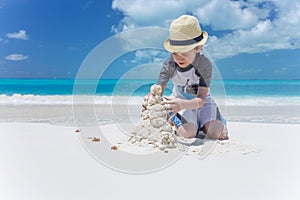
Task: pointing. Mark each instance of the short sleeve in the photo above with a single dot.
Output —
(204, 68)
(166, 71)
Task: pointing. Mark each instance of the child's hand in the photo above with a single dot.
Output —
(172, 104)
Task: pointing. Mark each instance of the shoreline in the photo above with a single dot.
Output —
(68, 99)
(108, 114)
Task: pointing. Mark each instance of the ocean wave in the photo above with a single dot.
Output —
(18, 99)
(263, 101)
(28, 99)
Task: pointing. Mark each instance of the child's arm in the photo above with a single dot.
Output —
(166, 73)
(162, 89)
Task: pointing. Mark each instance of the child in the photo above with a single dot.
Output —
(191, 74)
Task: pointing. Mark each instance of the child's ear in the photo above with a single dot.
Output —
(199, 48)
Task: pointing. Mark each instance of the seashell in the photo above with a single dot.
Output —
(96, 139)
(162, 147)
(114, 148)
(132, 139)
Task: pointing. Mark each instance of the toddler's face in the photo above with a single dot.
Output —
(184, 59)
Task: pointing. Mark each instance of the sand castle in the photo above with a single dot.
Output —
(154, 126)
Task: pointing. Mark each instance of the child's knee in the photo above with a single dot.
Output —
(213, 134)
(215, 129)
(187, 130)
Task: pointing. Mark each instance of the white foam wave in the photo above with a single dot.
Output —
(263, 101)
(18, 99)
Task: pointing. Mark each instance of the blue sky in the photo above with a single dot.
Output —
(50, 39)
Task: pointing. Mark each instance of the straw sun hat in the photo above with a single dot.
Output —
(185, 34)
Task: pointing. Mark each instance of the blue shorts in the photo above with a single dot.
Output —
(208, 112)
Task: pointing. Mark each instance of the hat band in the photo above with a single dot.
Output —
(186, 42)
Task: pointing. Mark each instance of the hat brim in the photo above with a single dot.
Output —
(185, 48)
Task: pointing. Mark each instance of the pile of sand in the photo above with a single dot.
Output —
(154, 127)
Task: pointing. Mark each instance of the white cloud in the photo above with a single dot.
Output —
(142, 38)
(16, 57)
(21, 35)
(280, 33)
(226, 15)
(261, 38)
(248, 27)
(149, 56)
(140, 13)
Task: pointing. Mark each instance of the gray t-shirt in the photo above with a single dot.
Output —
(187, 80)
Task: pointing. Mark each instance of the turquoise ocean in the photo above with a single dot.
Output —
(60, 91)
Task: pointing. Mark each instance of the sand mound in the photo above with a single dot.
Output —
(154, 126)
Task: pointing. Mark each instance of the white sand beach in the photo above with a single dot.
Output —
(43, 161)
(96, 96)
